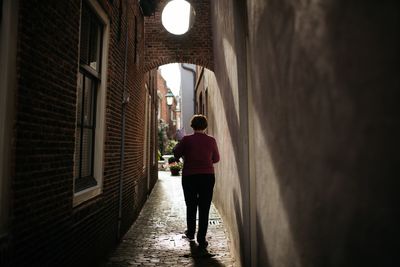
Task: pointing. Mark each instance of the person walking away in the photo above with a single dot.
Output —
(199, 152)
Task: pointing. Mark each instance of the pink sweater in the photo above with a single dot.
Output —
(199, 152)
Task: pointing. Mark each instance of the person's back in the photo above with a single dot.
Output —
(199, 151)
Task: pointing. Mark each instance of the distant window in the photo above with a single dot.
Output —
(159, 101)
(135, 56)
(154, 126)
(89, 136)
(201, 106)
(146, 130)
(206, 105)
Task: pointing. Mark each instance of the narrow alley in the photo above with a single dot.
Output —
(300, 98)
(157, 239)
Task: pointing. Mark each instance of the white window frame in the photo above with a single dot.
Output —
(84, 195)
(8, 83)
(159, 101)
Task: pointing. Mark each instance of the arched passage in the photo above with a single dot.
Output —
(195, 46)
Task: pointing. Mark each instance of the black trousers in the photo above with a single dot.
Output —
(198, 191)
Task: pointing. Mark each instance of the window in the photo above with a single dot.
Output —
(206, 104)
(135, 56)
(201, 106)
(159, 101)
(90, 104)
(145, 134)
(85, 132)
(154, 135)
(8, 52)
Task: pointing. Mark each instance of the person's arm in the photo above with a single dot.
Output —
(215, 155)
(178, 149)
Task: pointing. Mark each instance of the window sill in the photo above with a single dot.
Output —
(84, 183)
(86, 194)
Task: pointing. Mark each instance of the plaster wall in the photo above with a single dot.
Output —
(228, 122)
(187, 93)
(313, 183)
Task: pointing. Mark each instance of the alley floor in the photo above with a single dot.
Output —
(156, 238)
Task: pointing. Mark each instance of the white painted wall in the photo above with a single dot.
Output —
(187, 93)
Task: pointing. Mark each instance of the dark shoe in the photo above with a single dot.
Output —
(188, 236)
(203, 244)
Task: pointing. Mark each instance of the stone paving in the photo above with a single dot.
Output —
(156, 238)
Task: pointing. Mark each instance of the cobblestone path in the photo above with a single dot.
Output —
(156, 238)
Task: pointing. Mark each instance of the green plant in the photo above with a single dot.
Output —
(175, 166)
(171, 160)
(170, 146)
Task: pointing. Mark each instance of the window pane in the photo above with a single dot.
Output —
(85, 33)
(84, 143)
(77, 157)
(87, 153)
(79, 99)
(95, 38)
(91, 38)
(88, 103)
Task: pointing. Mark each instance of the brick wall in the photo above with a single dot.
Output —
(46, 230)
(163, 89)
(194, 47)
(165, 109)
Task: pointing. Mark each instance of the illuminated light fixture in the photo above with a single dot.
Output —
(176, 17)
(170, 98)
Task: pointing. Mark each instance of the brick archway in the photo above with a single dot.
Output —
(195, 46)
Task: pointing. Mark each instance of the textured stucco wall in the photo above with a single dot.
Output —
(227, 113)
(322, 84)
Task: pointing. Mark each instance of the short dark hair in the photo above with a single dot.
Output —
(199, 122)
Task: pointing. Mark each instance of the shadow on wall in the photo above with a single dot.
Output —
(231, 75)
(330, 104)
(261, 247)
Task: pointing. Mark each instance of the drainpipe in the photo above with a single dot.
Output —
(198, 81)
(194, 84)
(125, 100)
(192, 71)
